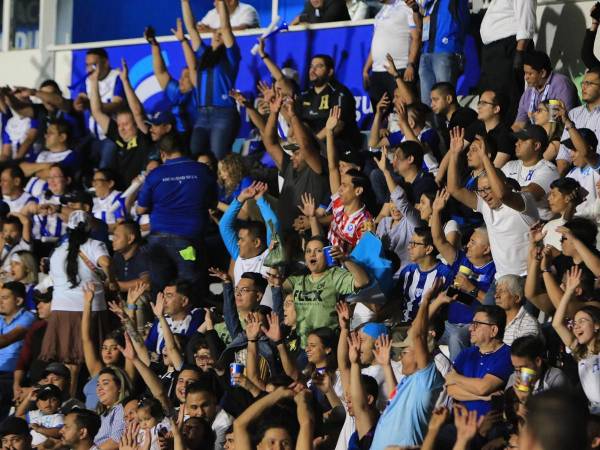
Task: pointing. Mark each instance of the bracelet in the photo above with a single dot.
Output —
(474, 292)
(252, 340)
(132, 307)
(279, 342)
(266, 55)
(397, 76)
(546, 271)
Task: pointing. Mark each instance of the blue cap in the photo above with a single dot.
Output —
(160, 118)
(374, 329)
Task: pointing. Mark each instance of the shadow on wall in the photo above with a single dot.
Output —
(567, 28)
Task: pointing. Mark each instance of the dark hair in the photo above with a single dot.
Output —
(12, 220)
(17, 288)
(170, 144)
(430, 195)
(281, 415)
(16, 172)
(496, 315)
(327, 60)
(370, 386)
(77, 237)
(63, 127)
(329, 340)
(117, 336)
(425, 233)
(259, 282)
(66, 170)
(200, 386)
(446, 89)
(595, 70)
(184, 288)
(583, 229)
(538, 61)
(133, 228)
(153, 405)
(414, 149)
(530, 347)
(501, 100)
(419, 112)
(86, 419)
(323, 240)
(558, 420)
(565, 185)
(359, 179)
(255, 229)
(212, 159)
(53, 84)
(207, 437)
(101, 52)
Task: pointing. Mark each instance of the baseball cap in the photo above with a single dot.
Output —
(588, 136)
(407, 342)
(535, 132)
(57, 369)
(14, 425)
(49, 391)
(374, 329)
(160, 118)
(77, 197)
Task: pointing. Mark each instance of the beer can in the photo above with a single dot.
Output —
(235, 369)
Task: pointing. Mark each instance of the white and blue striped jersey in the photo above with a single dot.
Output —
(413, 283)
(50, 226)
(109, 208)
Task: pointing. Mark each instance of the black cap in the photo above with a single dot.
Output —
(49, 391)
(535, 132)
(77, 197)
(14, 425)
(588, 136)
(57, 369)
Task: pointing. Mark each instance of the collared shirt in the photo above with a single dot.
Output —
(187, 326)
(110, 208)
(10, 354)
(523, 324)
(183, 105)
(505, 18)
(558, 87)
(112, 425)
(243, 15)
(19, 203)
(582, 117)
(215, 83)
(132, 268)
(346, 230)
(179, 194)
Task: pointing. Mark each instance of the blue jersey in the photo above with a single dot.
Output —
(445, 27)
(413, 283)
(183, 106)
(482, 278)
(215, 83)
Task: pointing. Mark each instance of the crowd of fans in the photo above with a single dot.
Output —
(430, 284)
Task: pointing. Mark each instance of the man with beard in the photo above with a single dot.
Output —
(81, 425)
(325, 92)
(217, 68)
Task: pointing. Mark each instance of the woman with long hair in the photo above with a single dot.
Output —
(79, 260)
(24, 268)
(542, 116)
(582, 338)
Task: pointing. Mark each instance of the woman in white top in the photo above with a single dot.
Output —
(425, 208)
(76, 262)
(109, 204)
(583, 339)
(564, 196)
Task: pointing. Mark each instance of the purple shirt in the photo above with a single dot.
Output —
(558, 87)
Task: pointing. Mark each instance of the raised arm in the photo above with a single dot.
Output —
(343, 312)
(170, 345)
(466, 197)
(420, 330)
(382, 353)
(226, 31)
(190, 24)
(306, 418)
(589, 258)
(380, 111)
(132, 99)
(253, 334)
(335, 178)
(270, 137)
(101, 118)
(364, 421)
(257, 120)
(310, 154)
(188, 52)
(273, 68)
(558, 321)
(309, 210)
(158, 63)
(90, 356)
(406, 94)
(500, 188)
(275, 335)
(446, 249)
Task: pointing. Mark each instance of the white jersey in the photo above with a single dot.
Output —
(106, 89)
(109, 208)
(18, 203)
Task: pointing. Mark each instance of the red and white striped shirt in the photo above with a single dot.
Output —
(346, 230)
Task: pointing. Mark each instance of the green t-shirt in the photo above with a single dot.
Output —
(315, 300)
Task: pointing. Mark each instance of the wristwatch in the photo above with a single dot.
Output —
(474, 292)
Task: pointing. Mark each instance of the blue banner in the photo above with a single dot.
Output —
(348, 46)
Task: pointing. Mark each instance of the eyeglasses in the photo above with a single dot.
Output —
(485, 190)
(589, 83)
(414, 244)
(483, 102)
(243, 290)
(578, 323)
(203, 358)
(476, 323)
(563, 239)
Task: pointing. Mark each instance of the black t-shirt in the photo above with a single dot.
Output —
(332, 11)
(127, 270)
(314, 110)
(500, 138)
(423, 183)
(43, 117)
(295, 184)
(132, 156)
